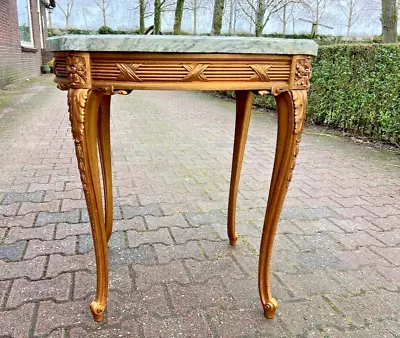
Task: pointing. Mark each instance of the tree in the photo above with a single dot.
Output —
(142, 7)
(389, 21)
(352, 10)
(157, 15)
(66, 8)
(285, 15)
(160, 6)
(315, 9)
(195, 17)
(178, 16)
(219, 6)
(142, 11)
(195, 5)
(259, 12)
(233, 13)
(103, 5)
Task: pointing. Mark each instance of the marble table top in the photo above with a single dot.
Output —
(181, 44)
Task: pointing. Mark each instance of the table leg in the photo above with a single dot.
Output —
(244, 102)
(291, 107)
(84, 108)
(105, 159)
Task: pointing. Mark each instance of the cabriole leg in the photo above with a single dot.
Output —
(84, 109)
(105, 159)
(244, 102)
(291, 107)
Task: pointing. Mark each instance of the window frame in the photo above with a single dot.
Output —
(39, 8)
(27, 44)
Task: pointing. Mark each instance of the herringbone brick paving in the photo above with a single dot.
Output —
(336, 266)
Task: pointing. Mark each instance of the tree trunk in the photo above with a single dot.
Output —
(231, 12)
(217, 17)
(67, 22)
(195, 18)
(178, 16)
(293, 26)
(350, 17)
(142, 27)
(104, 17)
(284, 20)
(157, 17)
(389, 21)
(260, 17)
(314, 30)
(235, 17)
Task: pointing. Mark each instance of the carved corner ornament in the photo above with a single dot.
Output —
(77, 104)
(303, 73)
(76, 70)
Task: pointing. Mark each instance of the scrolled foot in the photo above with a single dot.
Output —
(97, 311)
(270, 308)
(232, 241)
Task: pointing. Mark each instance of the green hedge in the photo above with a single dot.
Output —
(101, 30)
(354, 88)
(357, 88)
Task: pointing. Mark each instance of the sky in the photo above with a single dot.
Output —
(123, 15)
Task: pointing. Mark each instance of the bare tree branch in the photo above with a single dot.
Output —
(67, 10)
(103, 5)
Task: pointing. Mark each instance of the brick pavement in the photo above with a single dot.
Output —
(336, 266)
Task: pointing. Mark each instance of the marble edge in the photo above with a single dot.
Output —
(181, 44)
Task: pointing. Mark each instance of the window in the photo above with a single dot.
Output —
(25, 23)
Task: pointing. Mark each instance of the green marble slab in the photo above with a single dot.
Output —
(181, 44)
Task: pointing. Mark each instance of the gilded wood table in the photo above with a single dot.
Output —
(93, 68)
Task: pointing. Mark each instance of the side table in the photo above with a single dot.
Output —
(94, 67)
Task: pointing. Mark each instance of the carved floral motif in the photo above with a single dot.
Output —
(300, 103)
(303, 72)
(77, 104)
(76, 69)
